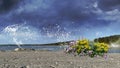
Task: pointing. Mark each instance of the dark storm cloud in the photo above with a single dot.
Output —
(44, 13)
(6, 5)
(58, 19)
(73, 10)
(57, 12)
(109, 4)
(66, 13)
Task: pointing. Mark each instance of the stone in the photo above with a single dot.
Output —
(23, 49)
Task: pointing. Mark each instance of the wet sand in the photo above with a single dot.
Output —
(50, 59)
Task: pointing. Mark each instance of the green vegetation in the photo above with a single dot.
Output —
(109, 39)
(85, 47)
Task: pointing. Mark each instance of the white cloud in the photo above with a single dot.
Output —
(113, 15)
(95, 5)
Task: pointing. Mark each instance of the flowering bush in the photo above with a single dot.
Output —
(84, 47)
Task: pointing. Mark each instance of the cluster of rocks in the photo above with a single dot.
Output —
(23, 49)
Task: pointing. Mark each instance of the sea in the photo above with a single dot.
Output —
(36, 47)
(46, 47)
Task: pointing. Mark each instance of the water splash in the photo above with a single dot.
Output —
(17, 42)
(58, 32)
(115, 45)
(23, 34)
(12, 30)
(18, 34)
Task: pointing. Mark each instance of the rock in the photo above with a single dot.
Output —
(23, 49)
(25, 67)
(17, 49)
(29, 49)
(56, 63)
(51, 66)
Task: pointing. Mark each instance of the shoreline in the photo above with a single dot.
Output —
(55, 59)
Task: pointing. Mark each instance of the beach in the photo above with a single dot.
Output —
(55, 59)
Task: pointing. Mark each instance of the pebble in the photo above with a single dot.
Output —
(56, 63)
(25, 67)
(71, 62)
(52, 66)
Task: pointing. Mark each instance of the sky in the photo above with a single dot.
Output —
(49, 21)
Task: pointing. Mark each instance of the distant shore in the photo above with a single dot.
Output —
(50, 44)
(55, 59)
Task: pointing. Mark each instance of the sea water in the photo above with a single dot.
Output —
(36, 47)
(114, 50)
(47, 47)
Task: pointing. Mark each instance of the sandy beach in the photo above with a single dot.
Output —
(58, 59)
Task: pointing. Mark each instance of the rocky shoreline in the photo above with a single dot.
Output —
(52, 59)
